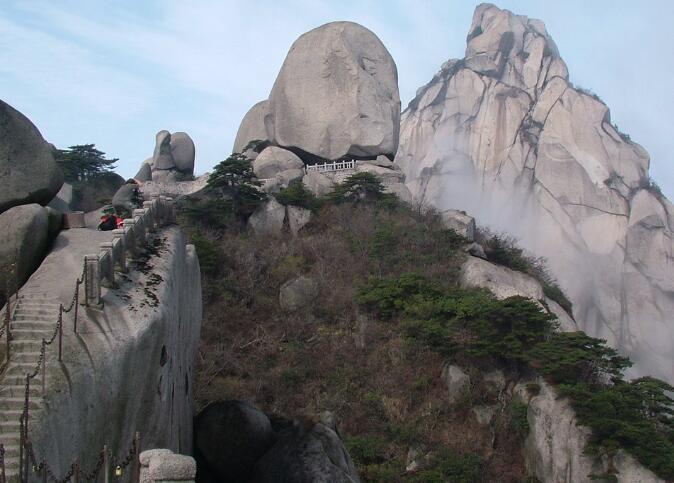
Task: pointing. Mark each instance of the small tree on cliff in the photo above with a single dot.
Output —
(82, 162)
(234, 179)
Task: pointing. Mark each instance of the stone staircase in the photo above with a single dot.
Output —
(34, 318)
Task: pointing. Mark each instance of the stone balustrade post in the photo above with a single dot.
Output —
(138, 216)
(151, 215)
(119, 238)
(171, 211)
(108, 272)
(165, 466)
(130, 236)
(164, 217)
(92, 280)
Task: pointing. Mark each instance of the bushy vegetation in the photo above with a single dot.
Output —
(388, 314)
(296, 194)
(635, 416)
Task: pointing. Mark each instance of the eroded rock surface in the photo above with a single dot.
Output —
(504, 135)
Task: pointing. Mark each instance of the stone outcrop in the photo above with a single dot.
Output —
(460, 222)
(172, 160)
(230, 437)
(555, 445)
(28, 172)
(457, 382)
(504, 135)
(336, 95)
(268, 218)
(252, 127)
(504, 282)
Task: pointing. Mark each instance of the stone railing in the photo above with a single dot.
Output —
(99, 269)
(334, 166)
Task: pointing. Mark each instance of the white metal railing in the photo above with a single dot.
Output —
(334, 166)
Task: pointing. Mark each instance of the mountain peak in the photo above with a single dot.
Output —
(513, 49)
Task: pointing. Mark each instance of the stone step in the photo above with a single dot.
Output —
(23, 334)
(20, 355)
(18, 392)
(11, 446)
(14, 403)
(7, 427)
(11, 466)
(39, 309)
(30, 345)
(19, 380)
(31, 304)
(32, 325)
(7, 415)
(53, 318)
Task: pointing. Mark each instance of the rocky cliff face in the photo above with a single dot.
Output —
(504, 135)
(130, 367)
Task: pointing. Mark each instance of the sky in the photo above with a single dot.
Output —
(115, 73)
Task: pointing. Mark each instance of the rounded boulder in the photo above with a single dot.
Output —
(252, 127)
(273, 160)
(183, 151)
(336, 95)
(230, 436)
(29, 173)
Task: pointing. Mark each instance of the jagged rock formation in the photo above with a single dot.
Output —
(555, 444)
(28, 172)
(173, 158)
(504, 135)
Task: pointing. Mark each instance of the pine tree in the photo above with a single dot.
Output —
(234, 179)
(82, 162)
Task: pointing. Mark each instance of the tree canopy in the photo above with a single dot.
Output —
(82, 162)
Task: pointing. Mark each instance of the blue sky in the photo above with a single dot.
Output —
(115, 73)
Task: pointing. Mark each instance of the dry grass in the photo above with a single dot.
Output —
(329, 355)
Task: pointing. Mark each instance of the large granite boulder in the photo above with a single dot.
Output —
(306, 456)
(268, 218)
(336, 95)
(162, 158)
(272, 161)
(230, 436)
(503, 135)
(25, 237)
(252, 127)
(318, 184)
(182, 152)
(126, 199)
(28, 172)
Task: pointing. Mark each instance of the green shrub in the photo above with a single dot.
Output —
(448, 465)
(570, 357)
(518, 422)
(636, 416)
(360, 187)
(210, 256)
(386, 297)
(296, 194)
(367, 449)
(503, 250)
